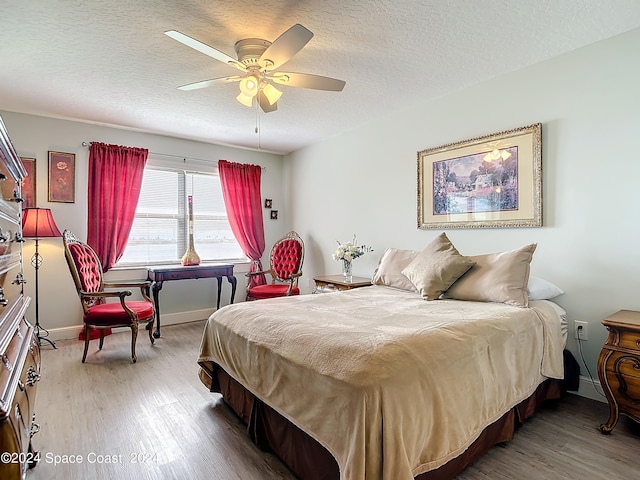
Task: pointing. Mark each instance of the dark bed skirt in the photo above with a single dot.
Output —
(309, 460)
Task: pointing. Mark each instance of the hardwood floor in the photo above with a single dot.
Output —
(157, 421)
(563, 442)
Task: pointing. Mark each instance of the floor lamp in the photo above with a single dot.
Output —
(38, 223)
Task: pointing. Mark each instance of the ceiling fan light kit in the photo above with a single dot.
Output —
(245, 99)
(249, 86)
(259, 60)
(271, 92)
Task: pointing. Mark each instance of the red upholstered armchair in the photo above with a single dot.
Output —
(86, 271)
(286, 260)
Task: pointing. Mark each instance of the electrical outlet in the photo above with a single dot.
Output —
(581, 330)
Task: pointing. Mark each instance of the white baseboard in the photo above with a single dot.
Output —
(66, 333)
(590, 389)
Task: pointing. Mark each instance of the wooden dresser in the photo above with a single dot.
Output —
(19, 348)
(619, 367)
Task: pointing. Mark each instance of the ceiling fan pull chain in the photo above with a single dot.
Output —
(258, 123)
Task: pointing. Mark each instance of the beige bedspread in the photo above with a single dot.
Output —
(392, 385)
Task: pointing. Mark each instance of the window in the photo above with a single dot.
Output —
(160, 229)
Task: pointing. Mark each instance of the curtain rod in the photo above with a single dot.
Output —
(184, 159)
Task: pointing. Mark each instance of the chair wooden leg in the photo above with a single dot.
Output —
(150, 325)
(101, 338)
(134, 337)
(87, 331)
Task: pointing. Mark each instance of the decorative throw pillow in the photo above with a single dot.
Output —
(389, 270)
(541, 289)
(496, 277)
(436, 267)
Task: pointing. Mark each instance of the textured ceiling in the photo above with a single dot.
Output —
(109, 62)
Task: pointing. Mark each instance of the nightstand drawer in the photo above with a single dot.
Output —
(337, 283)
(325, 288)
(627, 391)
(630, 340)
(623, 364)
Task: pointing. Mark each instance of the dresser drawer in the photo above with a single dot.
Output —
(15, 437)
(10, 256)
(20, 357)
(30, 376)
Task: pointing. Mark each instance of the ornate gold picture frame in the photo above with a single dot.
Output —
(486, 182)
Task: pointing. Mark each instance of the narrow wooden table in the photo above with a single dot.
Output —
(331, 283)
(161, 273)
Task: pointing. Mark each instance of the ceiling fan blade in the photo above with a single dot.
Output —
(306, 80)
(285, 46)
(206, 49)
(264, 103)
(208, 83)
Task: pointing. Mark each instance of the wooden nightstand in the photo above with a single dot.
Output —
(332, 283)
(619, 367)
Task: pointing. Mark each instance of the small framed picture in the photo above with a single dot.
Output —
(268, 203)
(29, 183)
(62, 177)
(274, 214)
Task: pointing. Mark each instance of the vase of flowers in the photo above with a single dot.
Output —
(346, 253)
(347, 267)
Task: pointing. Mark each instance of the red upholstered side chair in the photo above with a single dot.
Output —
(86, 271)
(286, 260)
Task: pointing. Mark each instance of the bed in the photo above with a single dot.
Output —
(376, 382)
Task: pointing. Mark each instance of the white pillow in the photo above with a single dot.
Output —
(496, 277)
(541, 289)
(390, 266)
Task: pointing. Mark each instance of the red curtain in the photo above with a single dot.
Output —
(115, 180)
(241, 191)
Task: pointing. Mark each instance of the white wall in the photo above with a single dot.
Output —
(59, 308)
(588, 102)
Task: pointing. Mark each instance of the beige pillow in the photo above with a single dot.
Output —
(436, 267)
(497, 277)
(389, 270)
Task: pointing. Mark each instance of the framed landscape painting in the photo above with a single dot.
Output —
(486, 182)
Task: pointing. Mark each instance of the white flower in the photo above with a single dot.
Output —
(350, 251)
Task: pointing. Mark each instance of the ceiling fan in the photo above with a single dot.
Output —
(260, 60)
